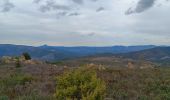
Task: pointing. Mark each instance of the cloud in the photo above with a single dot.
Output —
(6, 6)
(100, 9)
(142, 6)
(89, 28)
(52, 5)
(74, 14)
(78, 1)
(92, 34)
(94, 0)
(82, 1)
(63, 8)
(61, 14)
(37, 1)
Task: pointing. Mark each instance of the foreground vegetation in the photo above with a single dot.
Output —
(90, 82)
(138, 84)
(80, 84)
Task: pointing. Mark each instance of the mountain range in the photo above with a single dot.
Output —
(157, 54)
(54, 53)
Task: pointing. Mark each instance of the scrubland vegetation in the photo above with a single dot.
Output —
(80, 84)
(88, 82)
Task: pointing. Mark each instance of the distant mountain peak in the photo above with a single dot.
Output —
(45, 45)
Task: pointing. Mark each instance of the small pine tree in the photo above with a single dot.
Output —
(27, 56)
(80, 84)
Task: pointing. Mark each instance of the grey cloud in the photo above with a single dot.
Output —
(6, 6)
(61, 14)
(37, 1)
(74, 14)
(100, 9)
(94, 0)
(82, 1)
(51, 5)
(129, 11)
(142, 5)
(44, 8)
(78, 1)
(92, 34)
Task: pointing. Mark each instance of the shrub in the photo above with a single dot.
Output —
(18, 65)
(27, 56)
(80, 84)
(17, 79)
(4, 98)
(13, 85)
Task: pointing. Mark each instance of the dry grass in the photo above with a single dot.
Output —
(37, 82)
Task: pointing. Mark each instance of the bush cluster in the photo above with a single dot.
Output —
(80, 84)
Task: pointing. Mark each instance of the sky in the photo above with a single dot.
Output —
(85, 22)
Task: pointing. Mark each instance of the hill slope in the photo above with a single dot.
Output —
(52, 53)
(35, 52)
(158, 54)
(88, 51)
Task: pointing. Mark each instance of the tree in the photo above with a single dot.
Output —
(26, 56)
(80, 84)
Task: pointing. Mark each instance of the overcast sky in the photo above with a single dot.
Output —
(85, 22)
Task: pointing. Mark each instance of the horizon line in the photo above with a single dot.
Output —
(82, 45)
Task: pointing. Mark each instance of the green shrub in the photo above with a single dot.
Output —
(11, 85)
(16, 79)
(80, 84)
(27, 56)
(34, 96)
(4, 98)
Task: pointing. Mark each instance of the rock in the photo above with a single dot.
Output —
(130, 65)
(8, 60)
